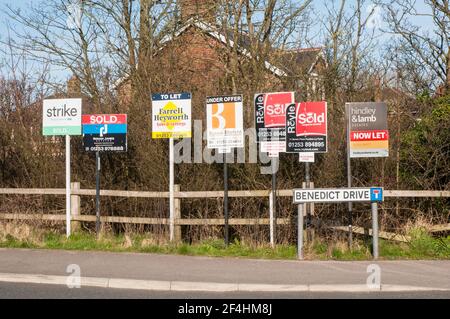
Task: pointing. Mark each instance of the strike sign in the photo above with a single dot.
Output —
(61, 117)
(105, 132)
(306, 127)
(224, 118)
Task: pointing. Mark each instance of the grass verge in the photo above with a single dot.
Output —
(422, 246)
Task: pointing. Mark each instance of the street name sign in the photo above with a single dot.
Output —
(338, 195)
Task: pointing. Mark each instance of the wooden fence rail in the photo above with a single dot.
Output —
(201, 194)
(76, 216)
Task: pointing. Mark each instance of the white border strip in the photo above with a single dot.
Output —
(118, 283)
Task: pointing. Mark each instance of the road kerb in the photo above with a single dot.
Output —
(203, 286)
(272, 288)
(120, 283)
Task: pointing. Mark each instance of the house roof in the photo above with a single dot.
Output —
(306, 59)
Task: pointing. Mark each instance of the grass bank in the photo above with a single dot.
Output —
(421, 246)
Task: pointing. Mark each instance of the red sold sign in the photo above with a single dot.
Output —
(275, 108)
(104, 119)
(311, 118)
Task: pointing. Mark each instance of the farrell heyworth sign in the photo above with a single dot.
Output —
(171, 115)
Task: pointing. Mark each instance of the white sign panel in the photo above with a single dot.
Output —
(61, 117)
(306, 157)
(338, 195)
(225, 125)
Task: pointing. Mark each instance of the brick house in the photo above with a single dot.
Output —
(192, 59)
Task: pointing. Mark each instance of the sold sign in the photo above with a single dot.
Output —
(275, 108)
(104, 119)
(306, 127)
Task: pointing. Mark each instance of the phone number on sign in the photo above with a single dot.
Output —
(306, 144)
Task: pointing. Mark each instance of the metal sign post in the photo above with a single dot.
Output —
(308, 206)
(225, 131)
(367, 136)
(375, 229)
(300, 232)
(171, 190)
(103, 133)
(349, 183)
(62, 117)
(97, 192)
(171, 118)
(273, 218)
(339, 195)
(68, 217)
(225, 199)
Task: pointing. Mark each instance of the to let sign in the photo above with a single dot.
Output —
(338, 195)
(171, 115)
(105, 132)
(368, 129)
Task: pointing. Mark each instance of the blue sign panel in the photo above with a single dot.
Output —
(104, 128)
(376, 194)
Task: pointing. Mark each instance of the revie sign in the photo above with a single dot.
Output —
(61, 117)
(338, 195)
(306, 127)
(270, 120)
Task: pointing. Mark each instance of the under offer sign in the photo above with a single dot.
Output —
(369, 135)
(338, 195)
(225, 125)
(105, 132)
(306, 127)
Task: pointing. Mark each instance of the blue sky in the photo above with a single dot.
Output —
(319, 9)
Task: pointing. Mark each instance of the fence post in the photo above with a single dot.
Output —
(75, 207)
(177, 215)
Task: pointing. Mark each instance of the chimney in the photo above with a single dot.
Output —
(74, 86)
(204, 10)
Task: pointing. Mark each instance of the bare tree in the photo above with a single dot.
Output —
(427, 50)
